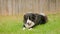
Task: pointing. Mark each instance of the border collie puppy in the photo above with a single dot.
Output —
(31, 20)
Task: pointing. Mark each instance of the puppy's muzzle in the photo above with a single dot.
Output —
(29, 24)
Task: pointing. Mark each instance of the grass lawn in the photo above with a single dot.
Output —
(13, 25)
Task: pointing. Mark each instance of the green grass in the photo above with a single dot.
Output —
(13, 25)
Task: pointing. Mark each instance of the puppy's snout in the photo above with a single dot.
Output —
(29, 23)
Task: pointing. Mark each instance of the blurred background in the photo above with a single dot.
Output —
(18, 7)
(12, 11)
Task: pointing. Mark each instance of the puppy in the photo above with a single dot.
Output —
(31, 20)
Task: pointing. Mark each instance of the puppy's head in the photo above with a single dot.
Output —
(29, 20)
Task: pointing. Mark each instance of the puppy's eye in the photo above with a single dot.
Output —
(25, 18)
(33, 18)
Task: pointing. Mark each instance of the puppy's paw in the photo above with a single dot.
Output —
(30, 29)
(24, 28)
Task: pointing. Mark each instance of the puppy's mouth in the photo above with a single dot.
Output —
(28, 25)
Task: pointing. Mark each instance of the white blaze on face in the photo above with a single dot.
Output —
(29, 21)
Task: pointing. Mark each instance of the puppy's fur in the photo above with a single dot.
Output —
(31, 20)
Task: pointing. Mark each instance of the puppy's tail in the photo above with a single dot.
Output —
(42, 14)
(44, 18)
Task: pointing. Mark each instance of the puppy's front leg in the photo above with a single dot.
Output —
(30, 29)
(24, 27)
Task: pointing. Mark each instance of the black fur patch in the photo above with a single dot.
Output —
(36, 18)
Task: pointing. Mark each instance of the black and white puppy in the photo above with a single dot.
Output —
(31, 20)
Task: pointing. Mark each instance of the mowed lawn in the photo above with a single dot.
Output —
(13, 25)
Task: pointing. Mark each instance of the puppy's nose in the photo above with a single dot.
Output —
(29, 23)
